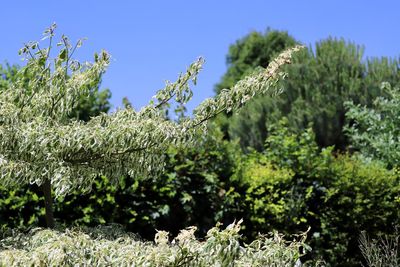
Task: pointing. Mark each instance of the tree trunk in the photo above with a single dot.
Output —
(48, 201)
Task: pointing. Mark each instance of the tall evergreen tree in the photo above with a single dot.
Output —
(321, 80)
(244, 57)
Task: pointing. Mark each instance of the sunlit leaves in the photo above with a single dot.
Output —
(109, 246)
(375, 131)
(39, 140)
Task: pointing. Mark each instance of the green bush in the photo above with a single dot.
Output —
(109, 246)
(289, 187)
(190, 192)
(294, 185)
(375, 131)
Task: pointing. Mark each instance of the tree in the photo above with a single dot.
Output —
(321, 80)
(246, 55)
(252, 51)
(7, 74)
(88, 106)
(42, 144)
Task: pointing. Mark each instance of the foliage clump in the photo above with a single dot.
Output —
(289, 187)
(322, 78)
(375, 131)
(110, 246)
(41, 144)
(294, 185)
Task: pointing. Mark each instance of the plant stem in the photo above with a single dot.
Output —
(46, 187)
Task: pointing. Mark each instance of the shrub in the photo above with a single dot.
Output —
(191, 191)
(293, 185)
(109, 246)
(375, 131)
(290, 186)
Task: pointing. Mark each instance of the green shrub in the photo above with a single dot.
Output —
(294, 185)
(363, 197)
(289, 187)
(109, 246)
(190, 192)
(375, 131)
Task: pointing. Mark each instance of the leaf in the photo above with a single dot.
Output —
(63, 55)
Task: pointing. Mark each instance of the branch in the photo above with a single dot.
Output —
(84, 161)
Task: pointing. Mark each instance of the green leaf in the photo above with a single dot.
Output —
(63, 54)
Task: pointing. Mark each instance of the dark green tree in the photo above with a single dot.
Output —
(252, 51)
(7, 74)
(321, 80)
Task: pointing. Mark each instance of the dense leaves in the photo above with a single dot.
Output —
(375, 131)
(191, 191)
(53, 125)
(289, 187)
(322, 79)
(109, 246)
(40, 142)
(293, 185)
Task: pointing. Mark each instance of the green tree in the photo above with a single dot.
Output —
(89, 106)
(7, 74)
(375, 131)
(246, 55)
(252, 51)
(41, 144)
(321, 80)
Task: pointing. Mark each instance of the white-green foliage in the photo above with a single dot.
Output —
(376, 131)
(39, 141)
(110, 246)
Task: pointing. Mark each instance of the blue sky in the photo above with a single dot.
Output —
(152, 41)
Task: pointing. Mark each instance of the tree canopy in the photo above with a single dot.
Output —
(88, 106)
(40, 141)
(252, 51)
(322, 79)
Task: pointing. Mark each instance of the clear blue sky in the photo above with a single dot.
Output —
(152, 41)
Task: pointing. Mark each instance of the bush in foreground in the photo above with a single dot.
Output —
(110, 246)
(289, 187)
